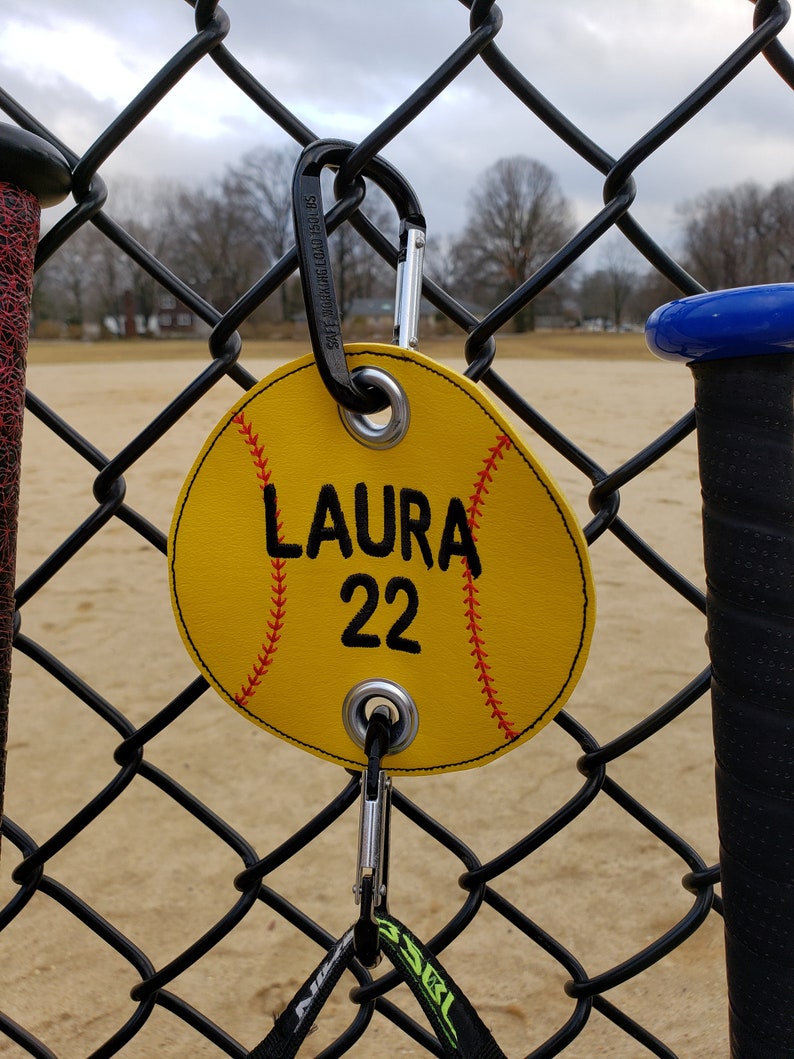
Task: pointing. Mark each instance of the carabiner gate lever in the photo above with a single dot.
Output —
(409, 284)
(373, 840)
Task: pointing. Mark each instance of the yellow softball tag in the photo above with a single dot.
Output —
(317, 559)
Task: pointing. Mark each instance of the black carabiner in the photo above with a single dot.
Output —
(317, 282)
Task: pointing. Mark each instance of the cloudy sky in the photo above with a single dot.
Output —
(615, 67)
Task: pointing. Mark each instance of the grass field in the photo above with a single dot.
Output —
(531, 345)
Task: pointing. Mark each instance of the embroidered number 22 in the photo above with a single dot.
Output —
(354, 636)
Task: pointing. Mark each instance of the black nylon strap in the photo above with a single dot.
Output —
(460, 1031)
(294, 1023)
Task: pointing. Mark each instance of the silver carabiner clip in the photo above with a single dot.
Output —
(370, 889)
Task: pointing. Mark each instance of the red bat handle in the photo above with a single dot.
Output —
(32, 174)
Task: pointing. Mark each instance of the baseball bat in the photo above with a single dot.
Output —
(739, 345)
(32, 174)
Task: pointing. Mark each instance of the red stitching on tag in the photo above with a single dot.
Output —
(470, 591)
(278, 575)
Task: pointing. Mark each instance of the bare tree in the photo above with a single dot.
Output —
(86, 281)
(89, 280)
(780, 211)
(259, 187)
(359, 271)
(262, 182)
(607, 293)
(64, 288)
(518, 217)
(212, 246)
(732, 237)
(146, 212)
(653, 290)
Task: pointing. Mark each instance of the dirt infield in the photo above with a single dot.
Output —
(530, 345)
(604, 887)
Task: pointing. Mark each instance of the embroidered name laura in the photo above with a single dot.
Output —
(404, 521)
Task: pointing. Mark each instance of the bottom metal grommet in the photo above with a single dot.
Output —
(365, 696)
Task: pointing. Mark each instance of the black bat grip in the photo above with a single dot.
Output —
(740, 347)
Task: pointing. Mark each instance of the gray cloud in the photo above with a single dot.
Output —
(614, 67)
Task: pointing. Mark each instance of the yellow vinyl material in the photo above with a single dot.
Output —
(303, 562)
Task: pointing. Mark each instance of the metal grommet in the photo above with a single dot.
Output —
(362, 427)
(362, 699)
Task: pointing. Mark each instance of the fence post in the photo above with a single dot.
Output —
(740, 347)
(32, 174)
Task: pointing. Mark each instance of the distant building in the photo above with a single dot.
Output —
(172, 319)
(375, 316)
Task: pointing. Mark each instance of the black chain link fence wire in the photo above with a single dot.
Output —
(141, 872)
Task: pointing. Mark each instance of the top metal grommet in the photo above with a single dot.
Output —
(362, 427)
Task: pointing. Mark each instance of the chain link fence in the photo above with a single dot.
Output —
(177, 873)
